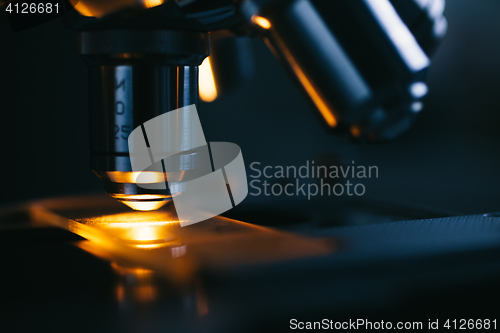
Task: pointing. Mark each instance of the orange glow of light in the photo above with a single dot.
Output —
(128, 220)
(99, 8)
(355, 131)
(144, 202)
(84, 9)
(145, 206)
(139, 196)
(114, 241)
(148, 238)
(140, 272)
(318, 101)
(145, 293)
(149, 246)
(325, 111)
(261, 22)
(132, 224)
(207, 88)
(120, 293)
(141, 289)
(146, 177)
(145, 234)
(152, 3)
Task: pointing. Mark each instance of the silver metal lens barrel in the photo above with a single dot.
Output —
(356, 61)
(135, 76)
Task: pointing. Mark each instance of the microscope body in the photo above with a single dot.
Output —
(361, 64)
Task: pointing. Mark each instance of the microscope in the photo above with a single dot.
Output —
(360, 64)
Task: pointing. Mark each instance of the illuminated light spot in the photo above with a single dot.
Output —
(144, 205)
(436, 9)
(150, 246)
(140, 197)
(355, 131)
(418, 89)
(440, 27)
(85, 9)
(207, 88)
(152, 3)
(133, 219)
(144, 202)
(145, 177)
(137, 271)
(100, 8)
(121, 225)
(417, 107)
(423, 3)
(144, 234)
(261, 22)
(402, 38)
(149, 237)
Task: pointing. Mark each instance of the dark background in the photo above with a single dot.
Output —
(448, 161)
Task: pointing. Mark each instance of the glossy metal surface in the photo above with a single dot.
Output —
(123, 98)
(356, 61)
(362, 65)
(142, 64)
(425, 20)
(232, 62)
